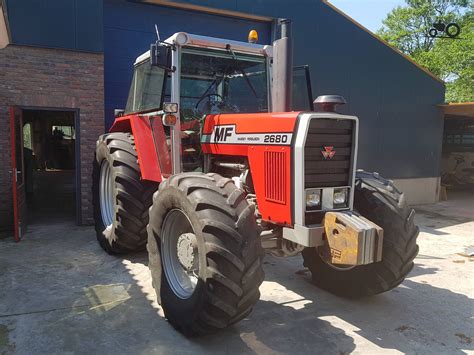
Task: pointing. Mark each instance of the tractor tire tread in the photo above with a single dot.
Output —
(133, 195)
(233, 275)
(380, 201)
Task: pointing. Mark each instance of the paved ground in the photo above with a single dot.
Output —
(59, 293)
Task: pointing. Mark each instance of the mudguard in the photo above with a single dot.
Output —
(150, 142)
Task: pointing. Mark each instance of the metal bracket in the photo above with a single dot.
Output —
(306, 236)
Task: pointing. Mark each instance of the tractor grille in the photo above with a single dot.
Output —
(321, 172)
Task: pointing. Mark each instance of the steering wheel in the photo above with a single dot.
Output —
(209, 98)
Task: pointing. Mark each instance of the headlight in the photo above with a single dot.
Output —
(340, 197)
(313, 198)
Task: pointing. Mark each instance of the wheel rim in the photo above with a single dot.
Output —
(179, 252)
(106, 193)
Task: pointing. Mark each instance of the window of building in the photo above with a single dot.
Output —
(459, 135)
(27, 139)
(66, 132)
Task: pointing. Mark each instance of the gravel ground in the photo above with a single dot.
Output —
(60, 293)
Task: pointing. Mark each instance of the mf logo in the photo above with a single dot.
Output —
(328, 152)
(222, 133)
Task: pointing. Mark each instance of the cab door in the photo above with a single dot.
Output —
(18, 172)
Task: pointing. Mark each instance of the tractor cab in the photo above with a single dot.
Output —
(203, 76)
(210, 76)
(212, 79)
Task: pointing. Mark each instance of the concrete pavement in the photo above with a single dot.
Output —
(60, 293)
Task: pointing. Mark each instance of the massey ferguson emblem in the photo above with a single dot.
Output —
(227, 134)
(222, 133)
(328, 152)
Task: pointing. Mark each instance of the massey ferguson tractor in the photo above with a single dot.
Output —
(208, 167)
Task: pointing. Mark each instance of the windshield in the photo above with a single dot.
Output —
(215, 81)
(146, 90)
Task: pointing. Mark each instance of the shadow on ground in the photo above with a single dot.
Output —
(411, 318)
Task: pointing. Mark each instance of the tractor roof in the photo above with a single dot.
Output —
(187, 39)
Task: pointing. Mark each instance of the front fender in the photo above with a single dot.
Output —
(150, 143)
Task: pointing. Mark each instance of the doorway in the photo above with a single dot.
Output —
(49, 161)
(457, 163)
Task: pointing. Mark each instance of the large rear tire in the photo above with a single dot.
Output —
(214, 281)
(120, 198)
(378, 200)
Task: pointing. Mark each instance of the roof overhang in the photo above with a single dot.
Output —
(207, 9)
(465, 109)
(4, 30)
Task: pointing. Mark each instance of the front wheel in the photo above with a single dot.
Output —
(453, 30)
(378, 200)
(204, 252)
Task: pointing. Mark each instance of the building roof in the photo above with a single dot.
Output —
(465, 109)
(208, 9)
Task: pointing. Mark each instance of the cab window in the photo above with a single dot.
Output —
(146, 90)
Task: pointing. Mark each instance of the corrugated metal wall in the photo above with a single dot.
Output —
(69, 24)
(400, 124)
(129, 29)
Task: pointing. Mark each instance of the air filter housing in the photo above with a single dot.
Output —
(328, 103)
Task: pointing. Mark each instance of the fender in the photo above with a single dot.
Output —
(150, 142)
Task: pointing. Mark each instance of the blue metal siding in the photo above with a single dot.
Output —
(129, 29)
(400, 124)
(68, 24)
(89, 25)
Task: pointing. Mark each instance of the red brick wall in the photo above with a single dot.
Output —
(51, 78)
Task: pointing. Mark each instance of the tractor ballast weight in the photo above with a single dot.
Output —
(209, 166)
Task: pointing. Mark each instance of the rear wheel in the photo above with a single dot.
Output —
(120, 198)
(378, 200)
(204, 252)
(433, 32)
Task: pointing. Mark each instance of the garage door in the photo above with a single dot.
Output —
(129, 30)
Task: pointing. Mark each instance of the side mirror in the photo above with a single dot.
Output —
(160, 55)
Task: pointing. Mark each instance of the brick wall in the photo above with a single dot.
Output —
(49, 78)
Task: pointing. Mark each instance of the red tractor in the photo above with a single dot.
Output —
(208, 167)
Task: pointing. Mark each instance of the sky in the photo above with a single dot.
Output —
(369, 13)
